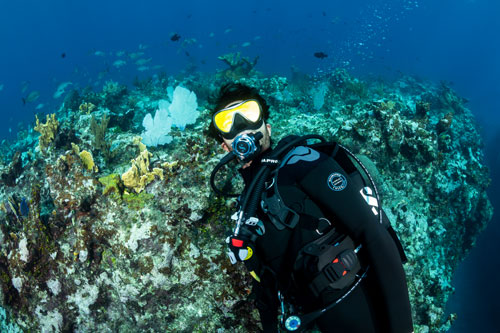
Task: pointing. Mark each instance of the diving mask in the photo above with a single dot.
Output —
(242, 116)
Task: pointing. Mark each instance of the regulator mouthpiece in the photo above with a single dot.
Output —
(247, 146)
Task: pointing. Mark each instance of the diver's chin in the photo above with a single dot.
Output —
(246, 165)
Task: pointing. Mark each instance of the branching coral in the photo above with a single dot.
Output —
(48, 131)
(87, 107)
(99, 132)
(138, 176)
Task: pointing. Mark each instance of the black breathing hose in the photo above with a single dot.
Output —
(255, 198)
(226, 159)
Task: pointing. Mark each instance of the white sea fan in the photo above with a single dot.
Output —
(183, 108)
(157, 128)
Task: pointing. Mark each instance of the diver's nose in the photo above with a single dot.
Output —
(240, 123)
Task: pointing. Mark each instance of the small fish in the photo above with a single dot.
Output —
(24, 86)
(24, 207)
(9, 206)
(61, 89)
(119, 63)
(120, 53)
(1, 87)
(142, 62)
(99, 53)
(246, 44)
(320, 55)
(136, 55)
(32, 96)
(63, 55)
(40, 106)
(175, 37)
(143, 68)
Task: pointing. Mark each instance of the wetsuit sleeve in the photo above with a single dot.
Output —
(351, 211)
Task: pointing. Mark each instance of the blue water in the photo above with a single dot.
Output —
(451, 40)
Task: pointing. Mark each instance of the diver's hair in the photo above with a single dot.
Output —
(231, 92)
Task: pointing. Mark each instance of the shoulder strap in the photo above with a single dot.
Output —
(334, 150)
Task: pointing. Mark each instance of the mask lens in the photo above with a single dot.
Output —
(250, 110)
(224, 119)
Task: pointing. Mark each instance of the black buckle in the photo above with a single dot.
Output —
(334, 271)
(340, 266)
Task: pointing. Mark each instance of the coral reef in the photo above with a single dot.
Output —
(85, 249)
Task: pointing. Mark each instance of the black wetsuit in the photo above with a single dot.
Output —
(379, 303)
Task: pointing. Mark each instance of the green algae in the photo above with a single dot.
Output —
(112, 185)
(137, 201)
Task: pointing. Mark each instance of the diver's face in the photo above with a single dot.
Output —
(265, 129)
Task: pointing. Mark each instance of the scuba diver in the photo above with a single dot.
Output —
(309, 227)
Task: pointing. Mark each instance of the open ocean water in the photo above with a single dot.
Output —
(56, 44)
